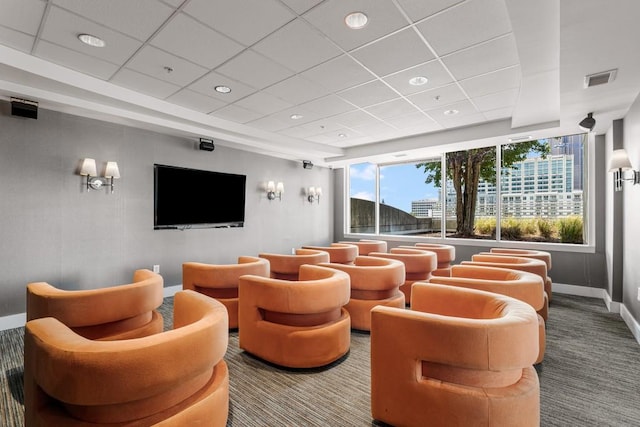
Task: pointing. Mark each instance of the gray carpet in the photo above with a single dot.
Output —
(589, 377)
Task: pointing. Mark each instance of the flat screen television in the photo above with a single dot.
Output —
(193, 198)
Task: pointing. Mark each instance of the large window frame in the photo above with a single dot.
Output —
(588, 213)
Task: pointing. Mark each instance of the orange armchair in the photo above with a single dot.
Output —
(374, 281)
(418, 265)
(301, 324)
(286, 267)
(530, 265)
(221, 281)
(526, 287)
(174, 378)
(446, 255)
(113, 313)
(530, 253)
(365, 247)
(339, 253)
(460, 357)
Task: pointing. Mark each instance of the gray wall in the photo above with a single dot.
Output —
(53, 230)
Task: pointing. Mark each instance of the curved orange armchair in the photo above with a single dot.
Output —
(113, 313)
(418, 265)
(521, 285)
(297, 324)
(286, 267)
(446, 255)
(339, 253)
(460, 357)
(530, 265)
(220, 281)
(374, 281)
(365, 246)
(174, 378)
(530, 253)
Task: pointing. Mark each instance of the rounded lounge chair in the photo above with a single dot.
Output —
(446, 255)
(339, 253)
(530, 253)
(220, 281)
(374, 281)
(365, 246)
(287, 267)
(418, 265)
(460, 357)
(521, 285)
(112, 313)
(296, 324)
(174, 378)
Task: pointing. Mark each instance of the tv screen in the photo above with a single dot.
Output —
(185, 198)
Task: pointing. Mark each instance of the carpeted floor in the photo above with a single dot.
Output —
(589, 377)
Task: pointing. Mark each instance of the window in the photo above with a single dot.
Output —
(362, 194)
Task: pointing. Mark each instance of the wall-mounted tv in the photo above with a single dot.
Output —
(190, 198)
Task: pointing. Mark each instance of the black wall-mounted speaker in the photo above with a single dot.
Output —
(24, 108)
(207, 144)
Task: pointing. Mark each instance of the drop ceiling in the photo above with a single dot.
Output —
(304, 85)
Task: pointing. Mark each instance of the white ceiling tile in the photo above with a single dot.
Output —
(297, 90)
(483, 20)
(144, 84)
(138, 19)
(206, 86)
(367, 94)
(254, 70)
(270, 124)
(75, 60)
(328, 105)
(395, 108)
(384, 18)
(435, 98)
(297, 46)
(339, 73)
(245, 21)
(236, 114)
(173, 3)
(467, 120)
(356, 119)
(436, 74)
(189, 39)
(285, 116)
(500, 113)
(152, 61)
(22, 15)
(497, 81)
(62, 28)
(496, 100)
(264, 103)
(419, 9)
(409, 120)
(487, 57)
(339, 136)
(195, 101)
(16, 39)
(313, 128)
(301, 6)
(463, 108)
(394, 53)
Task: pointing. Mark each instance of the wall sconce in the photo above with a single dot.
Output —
(313, 194)
(95, 182)
(275, 191)
(619, 164)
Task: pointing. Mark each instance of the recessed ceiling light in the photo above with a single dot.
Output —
(451, 112)
(342, 135)
(418, 81)
(91, 40)
(296, 116)
(356, 20)
(222, 89)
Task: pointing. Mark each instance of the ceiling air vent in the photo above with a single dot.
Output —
(600, 78)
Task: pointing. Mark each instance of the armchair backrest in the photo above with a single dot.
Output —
(287, 267)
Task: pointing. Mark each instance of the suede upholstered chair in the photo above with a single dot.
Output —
(286, 267)
(418, 265)
(446, 255)
(459, 357)
(374, 281)
(530, 253)
(296, 324)
(220, 281)
(365, 246)
(339, 253)
(521, 285)
(173, 378)
(530, 265)
(112, 313)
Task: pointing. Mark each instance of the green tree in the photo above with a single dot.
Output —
(466, 168)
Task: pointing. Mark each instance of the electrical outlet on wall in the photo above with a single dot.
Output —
(156, 268)
(638, 294)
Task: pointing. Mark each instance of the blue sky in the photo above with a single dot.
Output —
(399, 184)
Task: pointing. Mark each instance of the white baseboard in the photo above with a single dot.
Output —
(632, 323)
(170, 291)
(581, 291)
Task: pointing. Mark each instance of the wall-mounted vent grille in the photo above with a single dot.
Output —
(600, 78)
